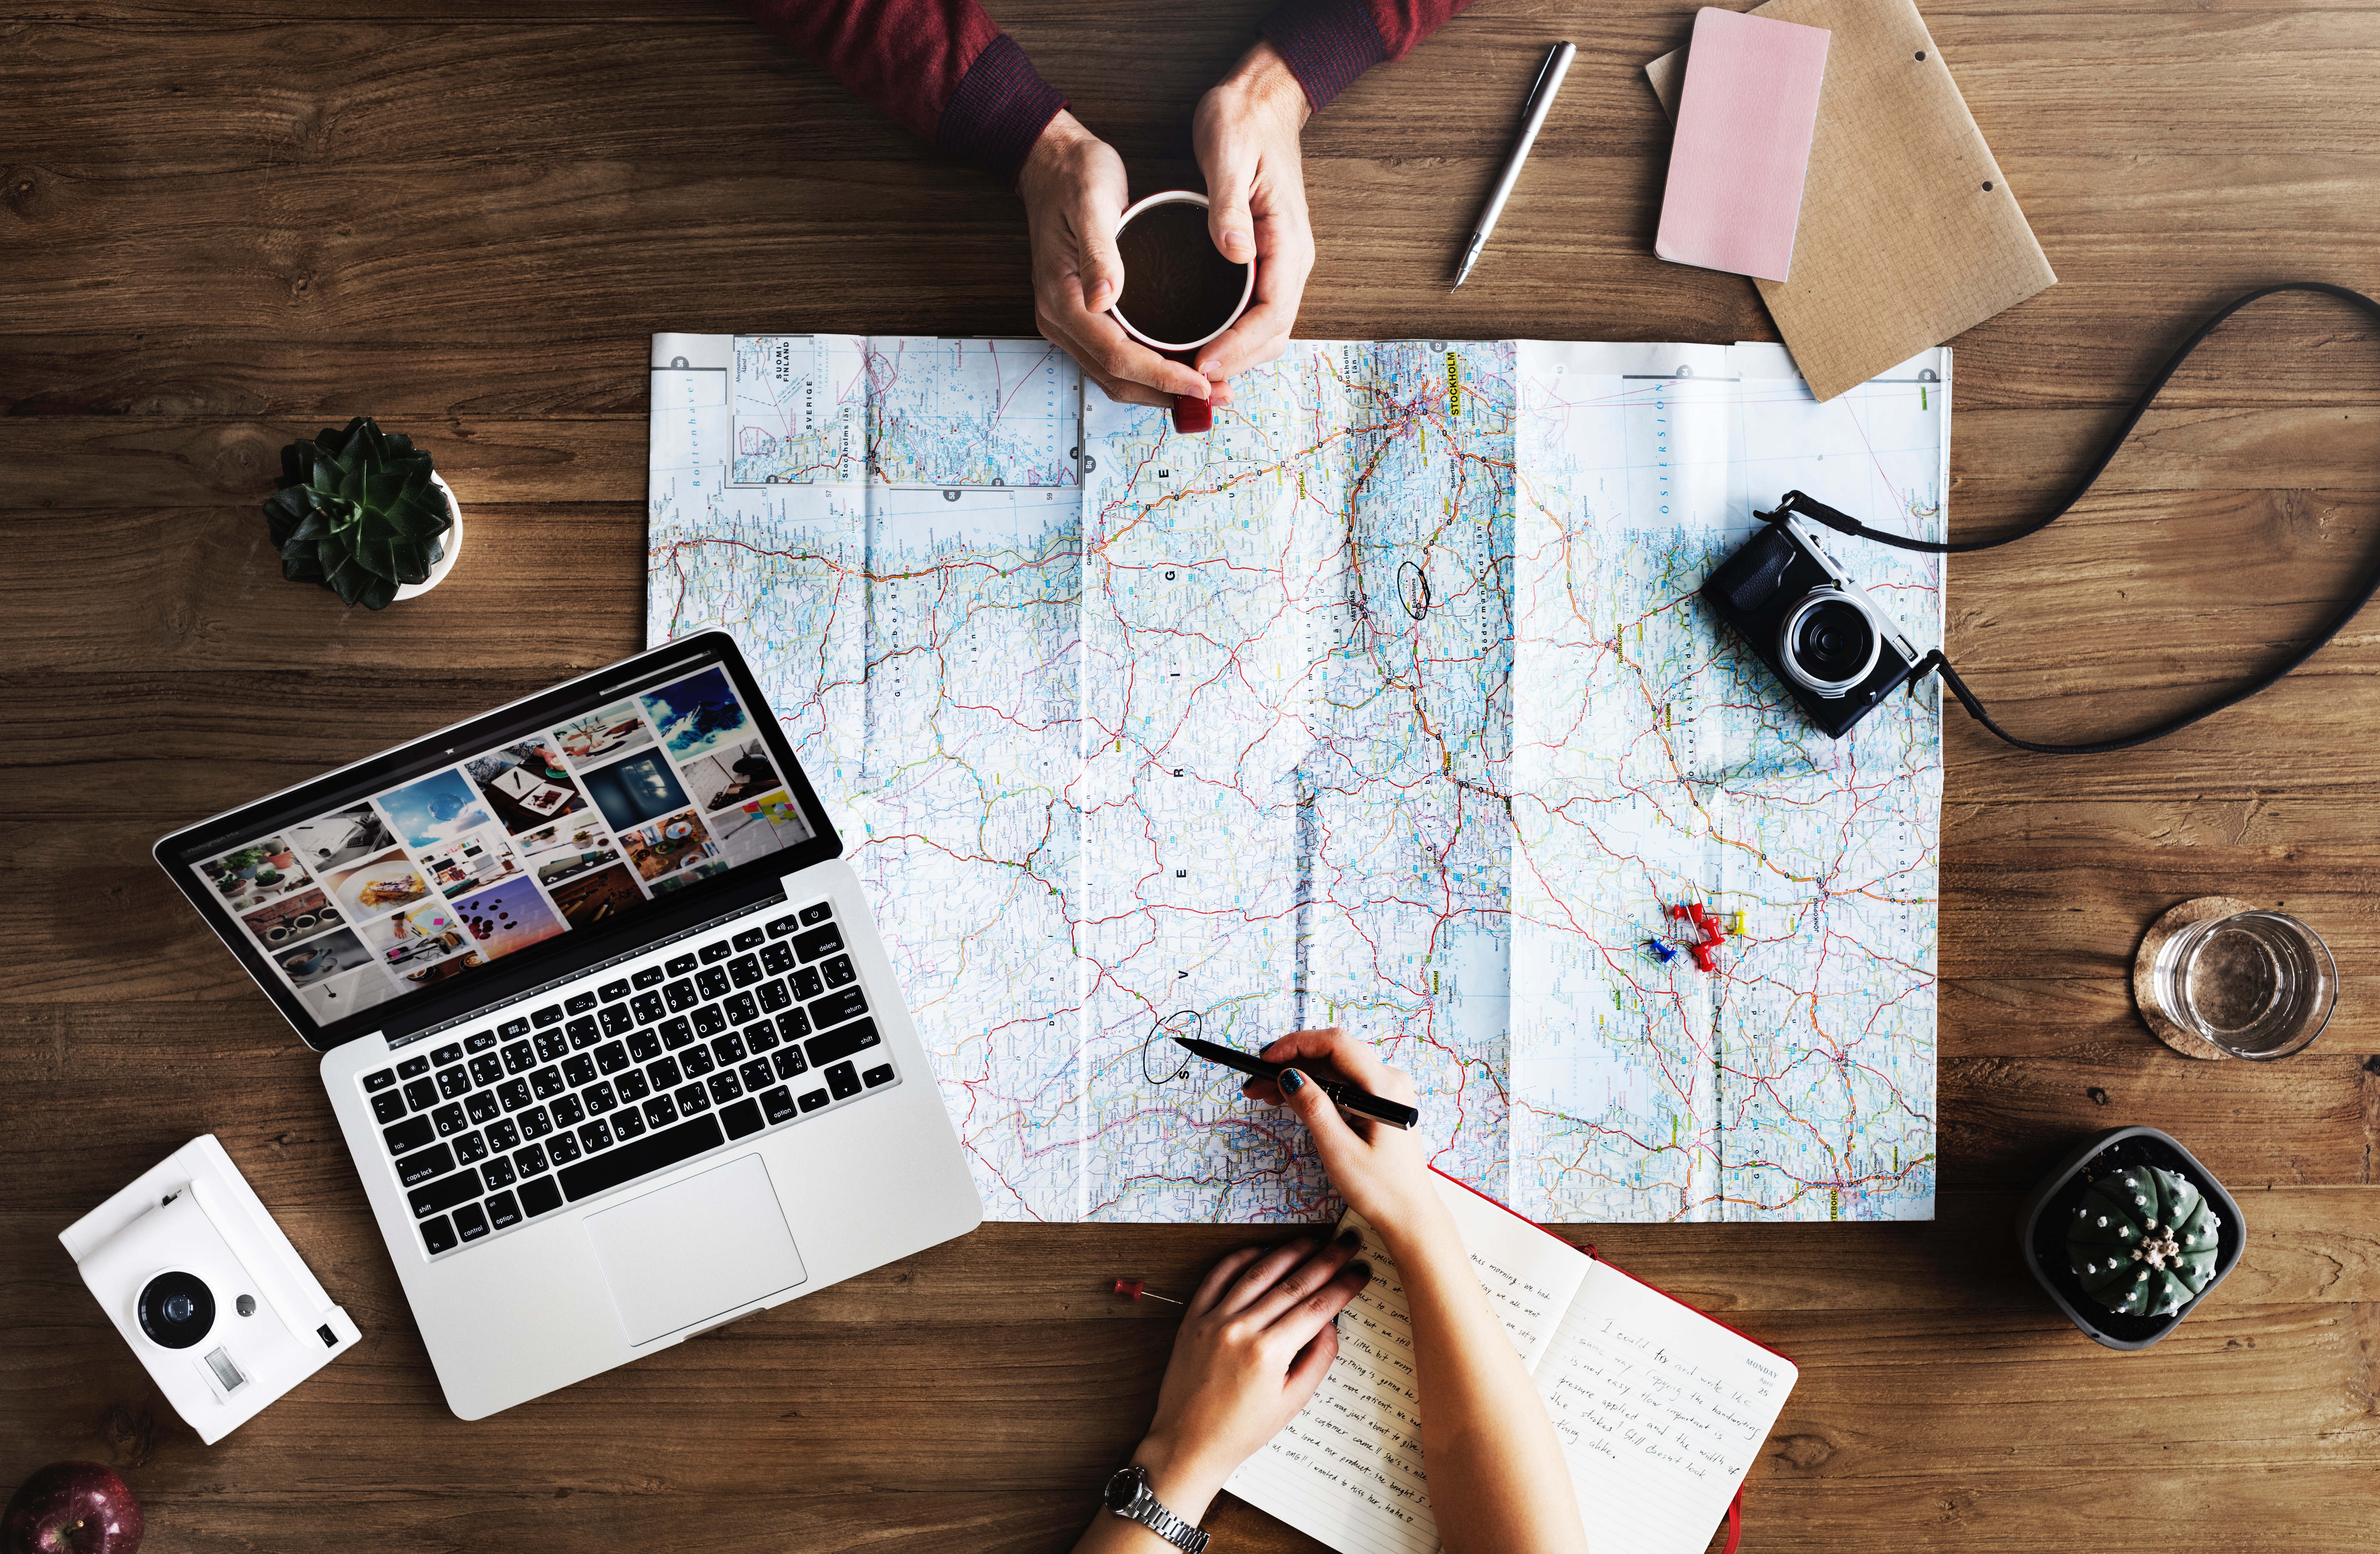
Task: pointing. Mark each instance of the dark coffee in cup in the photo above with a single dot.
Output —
(1178, 287)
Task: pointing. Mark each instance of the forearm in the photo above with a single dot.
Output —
(1497, 1479)
(1184, 1483)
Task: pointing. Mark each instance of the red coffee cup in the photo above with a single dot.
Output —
(1180, 308)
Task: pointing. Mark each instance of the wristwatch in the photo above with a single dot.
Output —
(1128, 1497)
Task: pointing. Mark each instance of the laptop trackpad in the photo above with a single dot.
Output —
(695, 1249)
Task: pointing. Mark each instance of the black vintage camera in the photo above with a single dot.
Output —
(1811, 624)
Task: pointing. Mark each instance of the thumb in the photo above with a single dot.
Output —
(1303, 1094)
(1100, 264)
(1229, 220)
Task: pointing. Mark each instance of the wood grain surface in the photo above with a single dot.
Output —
(224, 222)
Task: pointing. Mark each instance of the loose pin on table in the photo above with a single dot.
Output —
(1134, 1289)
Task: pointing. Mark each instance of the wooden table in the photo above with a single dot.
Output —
(229, 222)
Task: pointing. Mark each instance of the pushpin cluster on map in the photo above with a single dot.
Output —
(1710, 934)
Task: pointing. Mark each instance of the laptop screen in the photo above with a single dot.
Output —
(613, 808)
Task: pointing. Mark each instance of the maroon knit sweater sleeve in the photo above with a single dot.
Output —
(939, 66)
(1328, 44)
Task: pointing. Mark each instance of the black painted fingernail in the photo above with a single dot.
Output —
(1291, 1081)
(1349, 1238)
(1360, 1269)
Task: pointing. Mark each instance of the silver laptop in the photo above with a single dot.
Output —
(603, 1016)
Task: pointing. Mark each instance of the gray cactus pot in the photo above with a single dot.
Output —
(2041, 1229)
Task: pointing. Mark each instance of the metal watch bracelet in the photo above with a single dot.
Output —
(1128, 1496)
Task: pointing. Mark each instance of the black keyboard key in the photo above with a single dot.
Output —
(505, 1135)
(632, 1086)
(741, 1010)
(499, 1171)
(413, 1068)
(818, 941)
(647, 1008)
(789, 1062)
(551, 1045)
(549, 1016)
(806, 983)
(448, 1120)
(598, 1099)
(470, 1149)
(420, 1094)
(779, 926)
(486, 1069)
(613, 993)
(844, 1080)
(450, 1053)
(773, 995)
(580, 1003)
(481, 1043)
(654, 1152)
(530, 1161)
(680, 996)
(751, 938)
(579, 1070)
(611, 1057)
(411, 1133)
(482, 1105)
(645, 1046)
(793, 1025)
(762, 1037)
(713, 983)
(817, 912)
(514, 1093)
(510, 1028)
(564, 1147)
(838, 972)
(444, 1194)
(814, 1100)
(675, 1033)
(569, 1112)
(718, 951)
(438, 1236)
(627, 1122)
(584, 1032)
(649, 978)
(744, 970)
(664, 1074)
(616, 1019)
(696, 1061)
(728, 1049)
(519, 1058)
(471, 1220)
(741, 1118)
(423, 1164)
(724, 1087)
(836, 1008)
(661, 1111)
(503, 1211)
(534, 1123)
(709, 1021)
(596, 1135)
(777, 959)
(541, 1197)
(880, 1075)
(840, 1042)
(546, 1083)
(681, 965)
(756, 1075)
(778, 1103)
(453, 1083)
(380, 1081)
(388, 1106)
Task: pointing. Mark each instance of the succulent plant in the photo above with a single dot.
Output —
(2142, 1240)
(357, 512)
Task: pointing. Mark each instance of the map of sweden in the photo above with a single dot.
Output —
(1239, 737)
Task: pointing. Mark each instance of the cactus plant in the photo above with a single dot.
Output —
(358, 512)
(2142, 1240)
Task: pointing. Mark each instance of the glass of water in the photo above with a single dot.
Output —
(2257, 985)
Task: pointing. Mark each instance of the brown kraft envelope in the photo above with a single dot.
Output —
(1909, 233)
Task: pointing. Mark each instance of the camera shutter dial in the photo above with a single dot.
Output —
(1830, 641)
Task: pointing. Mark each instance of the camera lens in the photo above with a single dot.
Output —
(177, 1309)
(1830, 641)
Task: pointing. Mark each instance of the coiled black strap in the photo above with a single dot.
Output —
(1818, 512)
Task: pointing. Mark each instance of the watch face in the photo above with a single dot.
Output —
(1125, 1488)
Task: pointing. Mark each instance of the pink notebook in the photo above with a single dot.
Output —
(1742, 145)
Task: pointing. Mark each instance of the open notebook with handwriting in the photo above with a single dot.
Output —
(1660, 1410)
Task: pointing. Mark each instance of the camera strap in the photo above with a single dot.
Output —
(1807, 506)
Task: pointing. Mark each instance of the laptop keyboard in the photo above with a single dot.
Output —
(633, 1074)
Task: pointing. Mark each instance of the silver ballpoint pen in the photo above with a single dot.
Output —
(1533, 117)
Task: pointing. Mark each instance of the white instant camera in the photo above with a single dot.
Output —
(206, 1289)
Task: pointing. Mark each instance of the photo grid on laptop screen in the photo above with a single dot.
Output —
(563, 829)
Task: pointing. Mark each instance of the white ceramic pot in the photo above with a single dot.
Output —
(451, 543)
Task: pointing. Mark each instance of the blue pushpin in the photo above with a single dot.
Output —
(1661, 952)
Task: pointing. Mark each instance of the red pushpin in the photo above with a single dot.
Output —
(1133, 1289)
(1710, 934)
